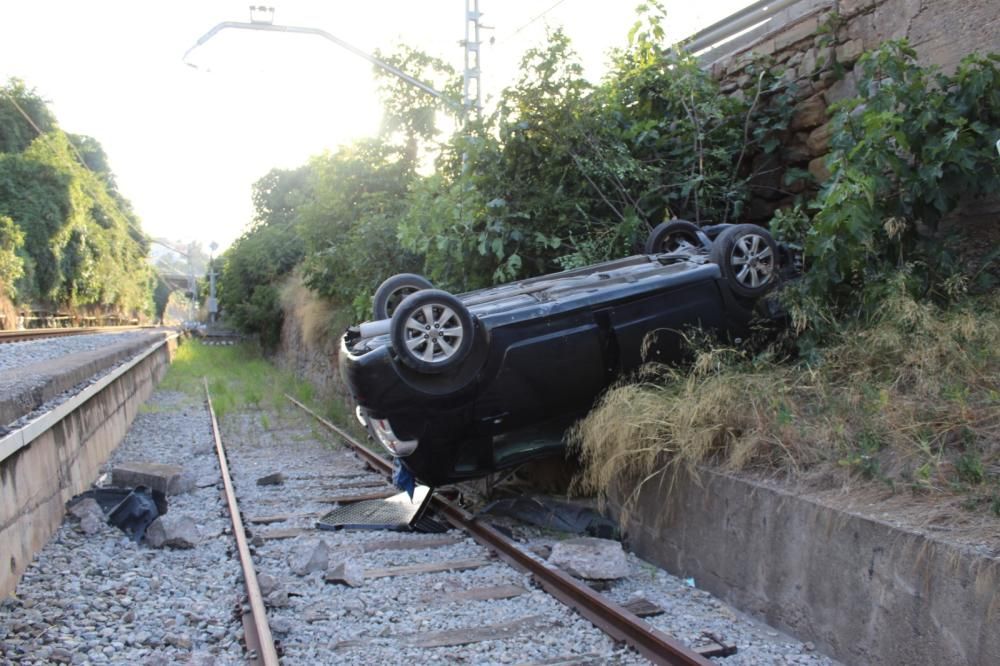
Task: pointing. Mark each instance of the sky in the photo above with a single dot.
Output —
(187, 142)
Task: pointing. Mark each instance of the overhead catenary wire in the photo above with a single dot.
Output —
(533, 20)
(115, 206)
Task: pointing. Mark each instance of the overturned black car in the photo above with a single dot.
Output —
(458, 387)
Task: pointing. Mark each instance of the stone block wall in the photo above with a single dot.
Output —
(812, 49)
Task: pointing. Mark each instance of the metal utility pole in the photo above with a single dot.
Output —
(262, 18)
(213, 303)
(472, 100)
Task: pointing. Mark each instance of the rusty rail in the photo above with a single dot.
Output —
(605, 614)
(257, 633)
(38, 333)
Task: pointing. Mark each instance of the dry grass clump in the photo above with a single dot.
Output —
(911, 399)
(8, 313)
(320, 323)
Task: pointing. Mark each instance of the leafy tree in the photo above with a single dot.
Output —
(11, 263)
(905, 152)
(83, 247)
(16, 132)
(350, 226)
(268, 250)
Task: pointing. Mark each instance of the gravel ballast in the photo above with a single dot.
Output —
(101, 598)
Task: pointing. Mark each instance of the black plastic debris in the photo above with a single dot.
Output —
(398, 513)
(554, 515)
(131, 510)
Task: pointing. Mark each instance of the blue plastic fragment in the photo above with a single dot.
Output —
(402, 478)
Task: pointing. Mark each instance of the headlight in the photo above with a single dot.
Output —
(400, 448)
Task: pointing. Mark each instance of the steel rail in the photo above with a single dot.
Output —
(605, 614)
(39, 333)
(258, 635)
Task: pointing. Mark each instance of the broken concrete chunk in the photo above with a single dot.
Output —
(590, 558)
(174, 531)
(277, 599)
(348, 572)
(275, 479)
(267, 583)
(91, 524)
(88, 506)
(168, 479)
(309, 556)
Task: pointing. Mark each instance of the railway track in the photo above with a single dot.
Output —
(41, 333)
(259, 581)
(611, 618)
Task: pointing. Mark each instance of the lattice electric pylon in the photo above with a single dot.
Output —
(472, 98)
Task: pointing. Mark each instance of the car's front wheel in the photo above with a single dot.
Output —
(748, 258)
(432, 331)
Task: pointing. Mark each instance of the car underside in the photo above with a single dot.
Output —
(458, 387)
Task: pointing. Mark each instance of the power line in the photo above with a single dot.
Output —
(114, 204)
(533, 20)
(116, 208)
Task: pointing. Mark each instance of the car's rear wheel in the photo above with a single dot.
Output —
(748, 258)
(674, 236)
(391, 293)
(432, 331)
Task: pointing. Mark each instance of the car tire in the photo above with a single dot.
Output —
(432, 331)
(391, 293)
(674, 236)
(748, 258)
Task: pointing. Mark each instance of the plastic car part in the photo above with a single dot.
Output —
(675, 236)
(748, 258)
(392, 291)
(432, 331)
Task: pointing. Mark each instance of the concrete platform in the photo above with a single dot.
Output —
(24, 389)
(865, 591)
(58, 455)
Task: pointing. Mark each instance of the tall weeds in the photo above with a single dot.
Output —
(910, 397)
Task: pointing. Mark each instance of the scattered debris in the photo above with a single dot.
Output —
(309, 556)
(130, 510)
(375, 512)
(590, 558)
(267, 583)
(174, 531)
(555, 515)
(167, 479)
(90, 514)
(277, 599)
(347, 572)
(275, 479)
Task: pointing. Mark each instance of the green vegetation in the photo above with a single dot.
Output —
(68, 239)
(563, 173)
(239, 378)
(904, 153)
(889, 372)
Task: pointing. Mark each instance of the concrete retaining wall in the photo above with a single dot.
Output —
(37, 480)
(863, 591)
